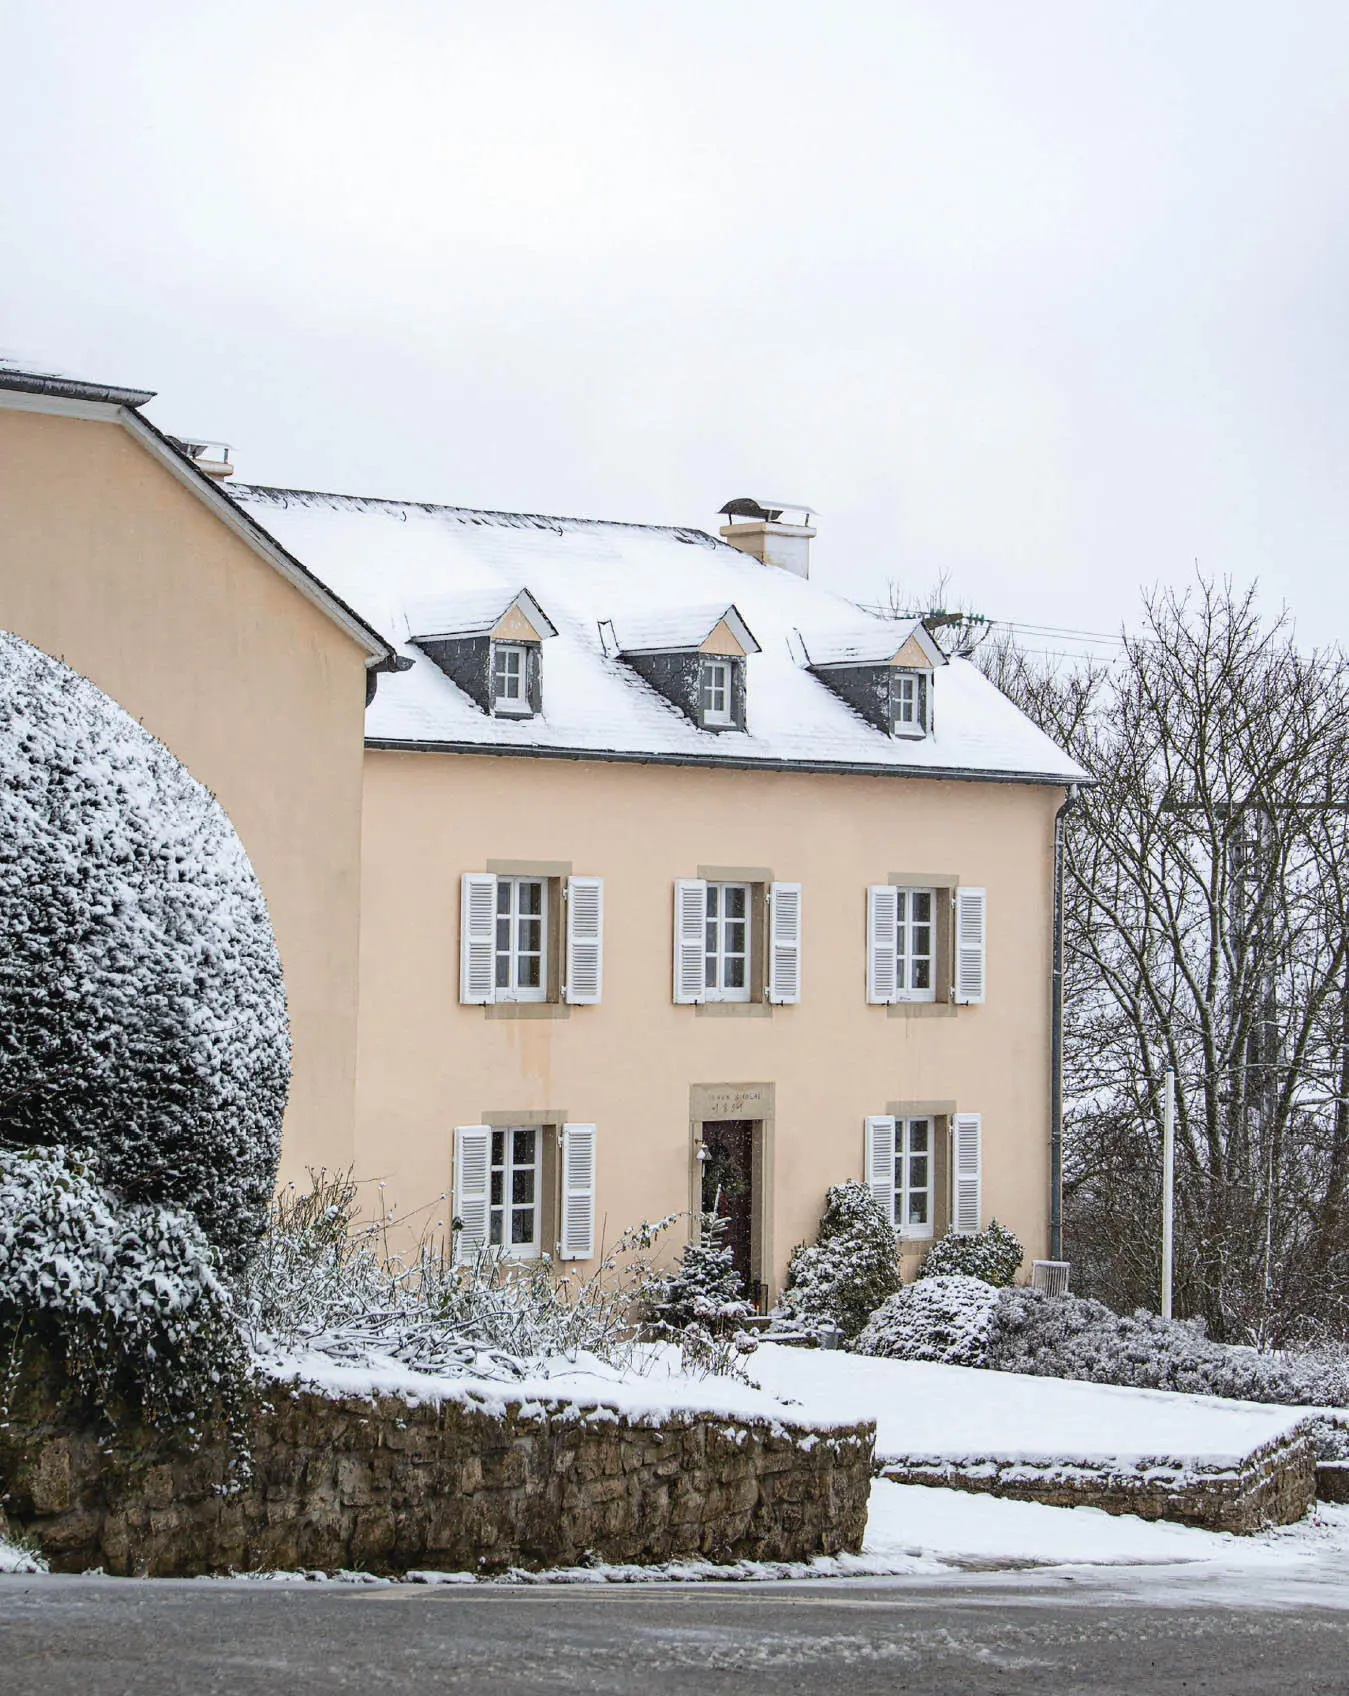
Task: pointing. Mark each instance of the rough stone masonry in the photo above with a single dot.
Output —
(385, 1486)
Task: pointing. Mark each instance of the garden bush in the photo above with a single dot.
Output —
(704, 1288)
(994, 1254)
(838, 1282)
(945, 1319)
(142, 1010)
(124, 1294)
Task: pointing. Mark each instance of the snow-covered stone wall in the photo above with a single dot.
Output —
(388, 1487)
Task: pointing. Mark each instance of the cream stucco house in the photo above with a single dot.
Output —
(680, 879)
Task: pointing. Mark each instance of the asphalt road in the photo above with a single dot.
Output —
(90, 1637)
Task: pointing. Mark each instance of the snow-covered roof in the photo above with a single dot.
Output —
(877, 643)
(385, 556)
(677, 630)
(473, 612)
(38, 376)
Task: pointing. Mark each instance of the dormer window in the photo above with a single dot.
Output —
(910, 692)
(884, 673)
(490, 645)
(693, 656)
(718, 702)
(510, 675)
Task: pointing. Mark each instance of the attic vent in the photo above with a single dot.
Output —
(1050, 1276)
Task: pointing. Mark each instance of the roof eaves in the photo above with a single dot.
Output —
(823, 768)
(73, 388)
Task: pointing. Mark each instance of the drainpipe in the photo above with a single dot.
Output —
(1056, 1040)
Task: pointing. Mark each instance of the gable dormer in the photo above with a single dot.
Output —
(886, 673)
(490, 644)
(695, 657)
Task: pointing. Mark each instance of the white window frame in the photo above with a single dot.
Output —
(506, 1209)
(513, 990)
(911, 688)
(717, 677)
(716, 896)
(905, 958)
(904, 1188)
(510, 706)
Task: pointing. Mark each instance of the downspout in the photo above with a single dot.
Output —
(1056, 1040)
(373, 672)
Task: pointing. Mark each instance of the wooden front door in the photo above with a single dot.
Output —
(728, 1188)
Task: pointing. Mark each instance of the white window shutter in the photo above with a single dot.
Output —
(472, 1188)
(585, 940)
(882, 919)
(477, 938)
(881, 1162)
(971, 948)
(690, 941)
(968, 1166)
(578, 1192)
(784, 943)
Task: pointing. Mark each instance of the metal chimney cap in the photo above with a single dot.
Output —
(767, 511)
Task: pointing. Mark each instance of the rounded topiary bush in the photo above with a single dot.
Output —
(994, 1254)
(142, 1009)
(946, 1319)
(838, 1282)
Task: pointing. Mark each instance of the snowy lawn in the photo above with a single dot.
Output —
(963, 1413)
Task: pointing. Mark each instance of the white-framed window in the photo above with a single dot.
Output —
(726, 942)
(717, 700)
(513, 1196)
(521, 939)
(915, 1148)
(909, 703)
(510, 692)
(915, 944)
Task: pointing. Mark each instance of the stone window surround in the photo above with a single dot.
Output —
(758, 1006)
(945, 885)
(556, 872)
(941, 1113)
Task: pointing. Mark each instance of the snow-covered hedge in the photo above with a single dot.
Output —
(838, 1282)
(994, 1254)
(946, 1318)
(142, 1010)
(1068, 1337)
(124, 1292)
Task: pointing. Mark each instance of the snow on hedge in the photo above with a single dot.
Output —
(142, 1009)
(944, 1318)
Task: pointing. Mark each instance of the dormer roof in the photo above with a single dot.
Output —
(881, 641)
(683, 630)
(507, 614)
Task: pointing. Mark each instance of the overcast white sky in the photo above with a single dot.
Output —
(1050, 294)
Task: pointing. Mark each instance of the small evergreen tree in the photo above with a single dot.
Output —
(705, 1287)
(839, 1281)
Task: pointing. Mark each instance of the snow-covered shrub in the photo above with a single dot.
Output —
(124, 1293)
(326, 1282)
(704, 1287)
(142, 1011)
(946, 1318)
(838, 1282)
(1069, 1337)
(20, 1556)
(994, 1254)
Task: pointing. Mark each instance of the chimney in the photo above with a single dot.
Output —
(755, 527)
(210, 458)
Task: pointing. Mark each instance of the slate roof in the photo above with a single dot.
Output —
(386, 556)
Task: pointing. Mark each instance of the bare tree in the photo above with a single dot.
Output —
(956, 628)
(1207, 899)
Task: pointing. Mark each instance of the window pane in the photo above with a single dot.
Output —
(922, 906)
(494, 1231)
(503, 974)
(498, 1186)
(922, 975)
(524, 1146)
(498, 1147)
(735, 900)
(918, 1172)
(735, 936)
(918, 1208)
(522, 1185)
(503, 933)
(531, 897)
(918, 1130)
(522, 1227)
(713, 900)
(527, 971)
(530, 932)
(735, 972)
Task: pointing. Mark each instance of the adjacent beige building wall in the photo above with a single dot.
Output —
(640, 1067)
(110, 563)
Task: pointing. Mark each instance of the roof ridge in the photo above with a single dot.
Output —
(540, 518)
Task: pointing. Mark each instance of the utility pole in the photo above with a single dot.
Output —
(1168, 1190)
